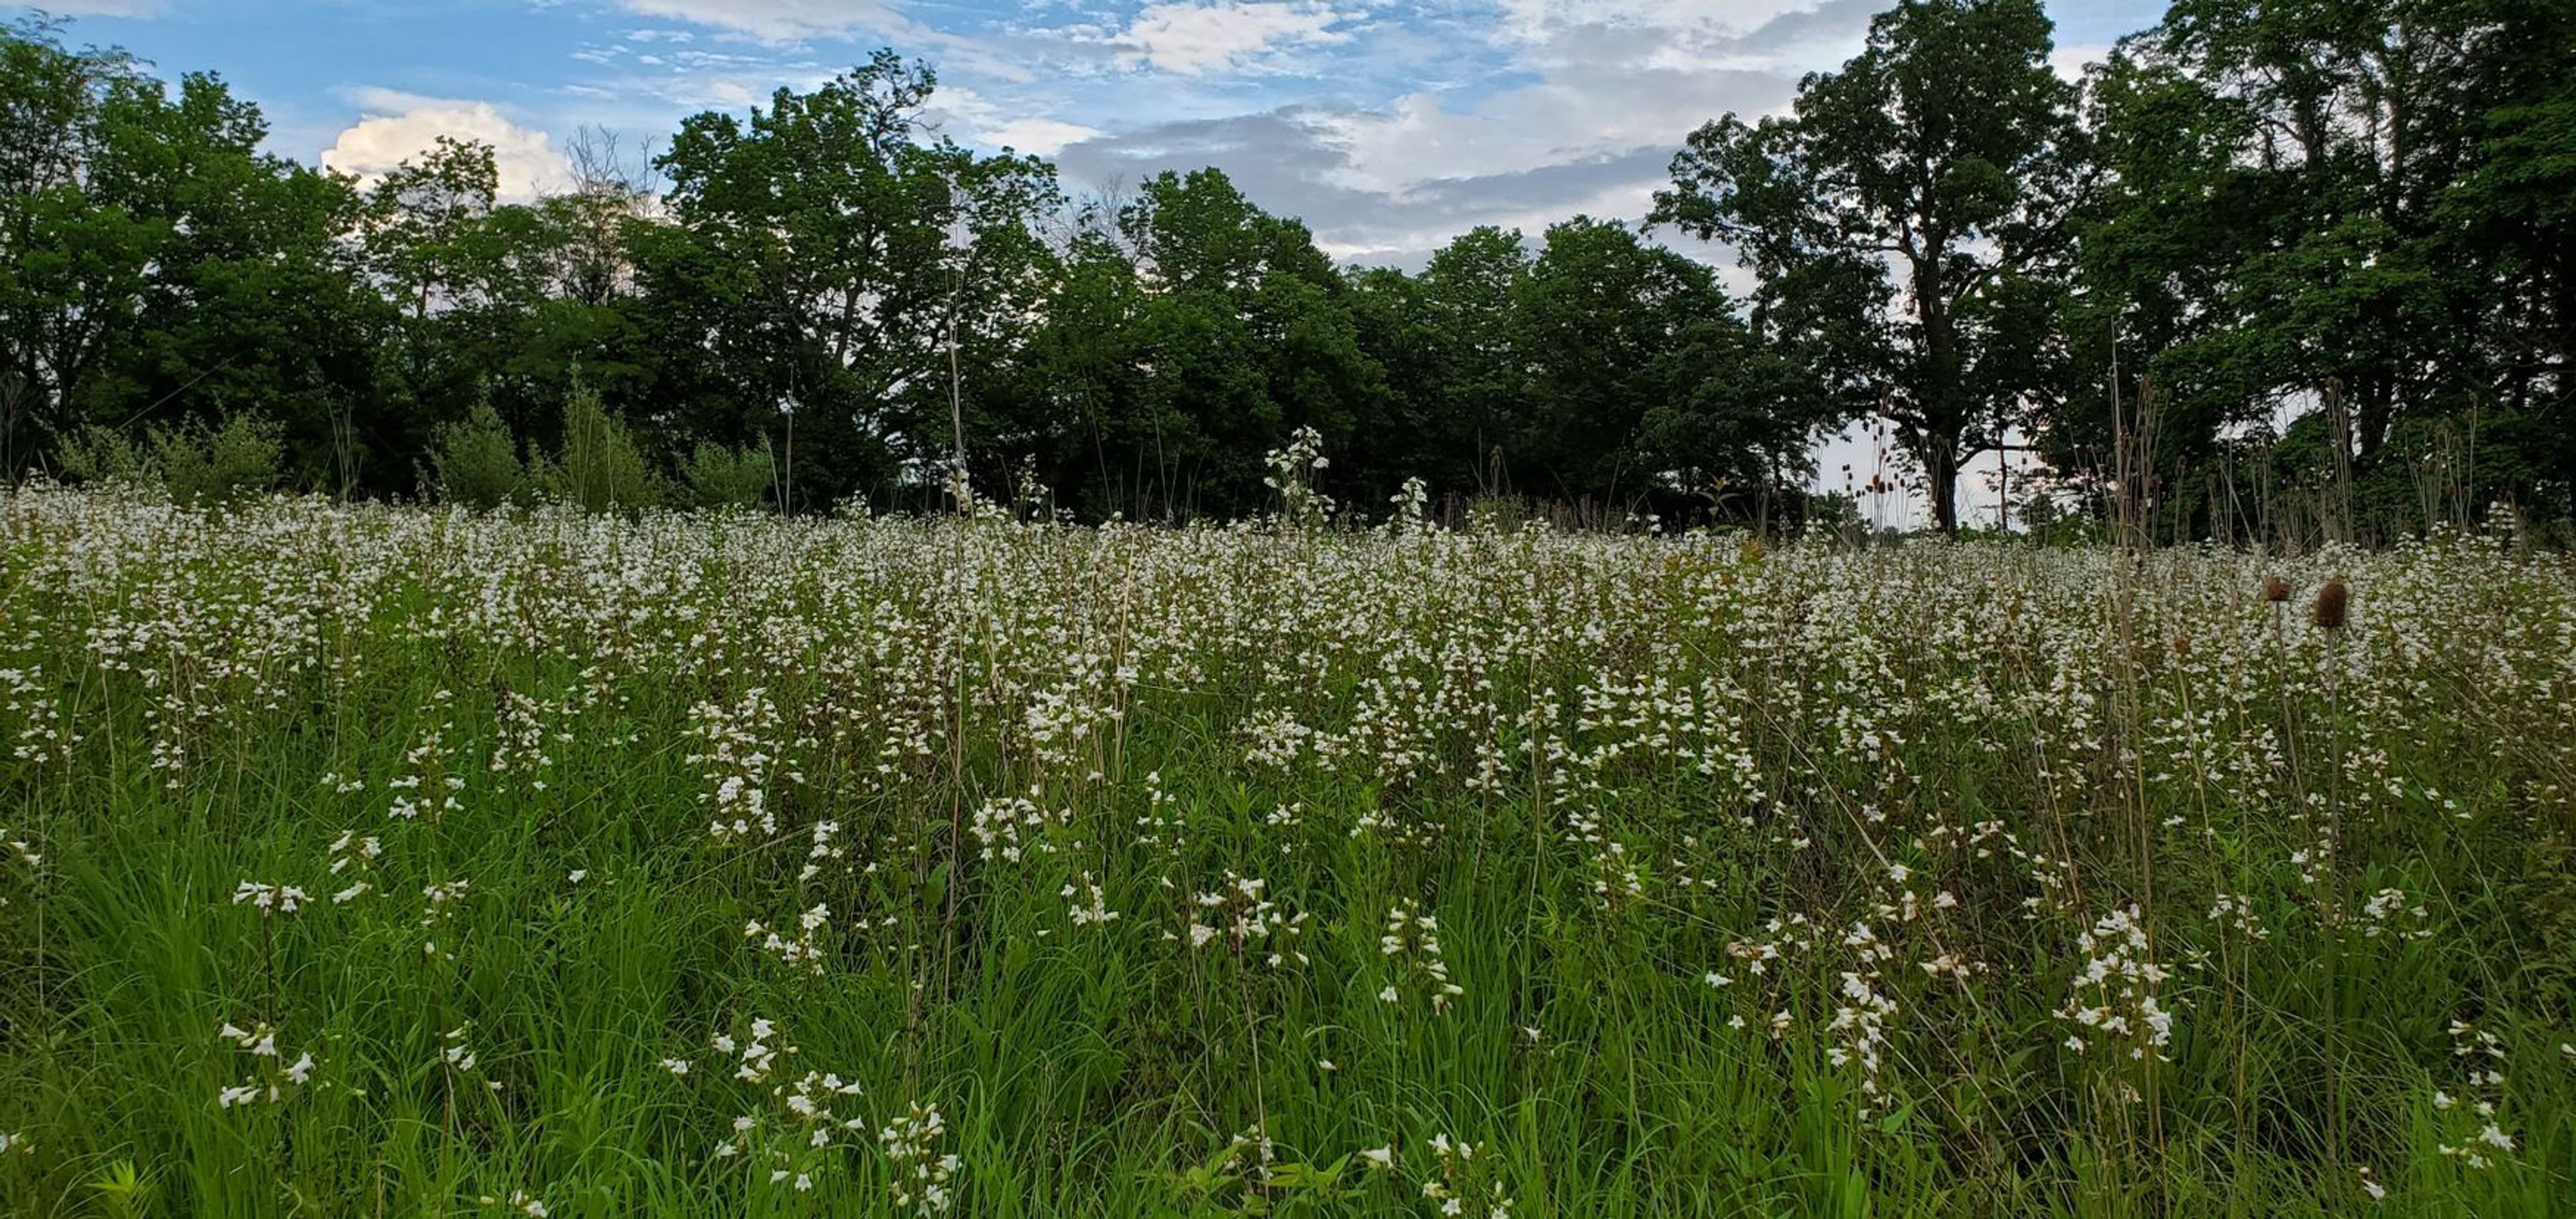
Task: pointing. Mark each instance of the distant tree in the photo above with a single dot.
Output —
(156, 267)
(1079, 413)
(2358, 204)
(1245, 333)
(837, 254)
(1643, 383)
(599, 468)
(718, 477)
(1891, 214)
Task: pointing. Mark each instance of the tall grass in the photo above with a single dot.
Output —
(691, 865)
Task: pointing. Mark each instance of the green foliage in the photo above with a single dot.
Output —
(2363, 200)
(102, 455)
(599, 468)
(718, 477)
(477, 461)
(200, 462)
(155, 256)
(1947, 148)
(193, 462)
(2248, 209)
(776, 208)
(645, 866)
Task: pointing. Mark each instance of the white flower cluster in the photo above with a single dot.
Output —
(354, 857)
(518, 1200)
(1862, 1010)
(1006, 828)
(736, 760)
(2391, 913)
(2482, 1135)
(793, 1131)
(804, 950)
(2115, 997)
(271, 1075)
(428, 786)
(1411, 945)
(1248, 922)
(1090, 907)
(1470, 1182)
(41, 730)
(269, 899)
(457, 1056)
(921, 1171)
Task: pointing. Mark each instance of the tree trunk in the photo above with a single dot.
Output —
(1941, 472)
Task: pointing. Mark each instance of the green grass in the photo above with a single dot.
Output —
(1908, 784)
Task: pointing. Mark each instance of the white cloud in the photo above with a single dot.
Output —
(1044, 137)
(2070, 61)
(1539, 20)
(1195, 38)
(780, 20)
(395, 127)
(1593, 104)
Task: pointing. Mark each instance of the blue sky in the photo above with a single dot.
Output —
(1389, 127)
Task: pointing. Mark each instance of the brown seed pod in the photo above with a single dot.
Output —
(2275, 589)
(2333, 602)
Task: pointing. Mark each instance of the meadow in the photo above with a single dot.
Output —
(370, 860)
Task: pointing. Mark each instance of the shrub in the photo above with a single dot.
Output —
(476, 461)
(719, 477)
(601, 469)
(98, 454)
(202, 463)
(195, 462)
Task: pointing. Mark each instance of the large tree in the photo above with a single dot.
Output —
(2353, 211)
(154, 264)
(847, 250)
(1246, 333)
(1643, 385)
(1891, 214)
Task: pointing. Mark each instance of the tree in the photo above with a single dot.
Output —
(75, 257)
(1245, 334)
(154, 263)
(1946, 154)
(2343, 209)
(1471, 290)
(843, 255)
(1643, 384)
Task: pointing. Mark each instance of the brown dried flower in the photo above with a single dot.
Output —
(2334, 601)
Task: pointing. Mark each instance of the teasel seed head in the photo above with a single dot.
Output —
(2334, 601)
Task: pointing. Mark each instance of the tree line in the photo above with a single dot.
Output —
(2273, 264)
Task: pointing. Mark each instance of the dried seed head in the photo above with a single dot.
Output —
(2333, 602)
(2275, 589)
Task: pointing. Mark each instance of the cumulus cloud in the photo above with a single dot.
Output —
(1536, 21)
(1192, 37)
(1293, 162)
(1044, 137)
(395, 127)
(1586, 119)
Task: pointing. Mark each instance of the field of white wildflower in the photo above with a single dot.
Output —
(388, 861)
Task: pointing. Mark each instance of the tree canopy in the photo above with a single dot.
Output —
(2307, 255)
